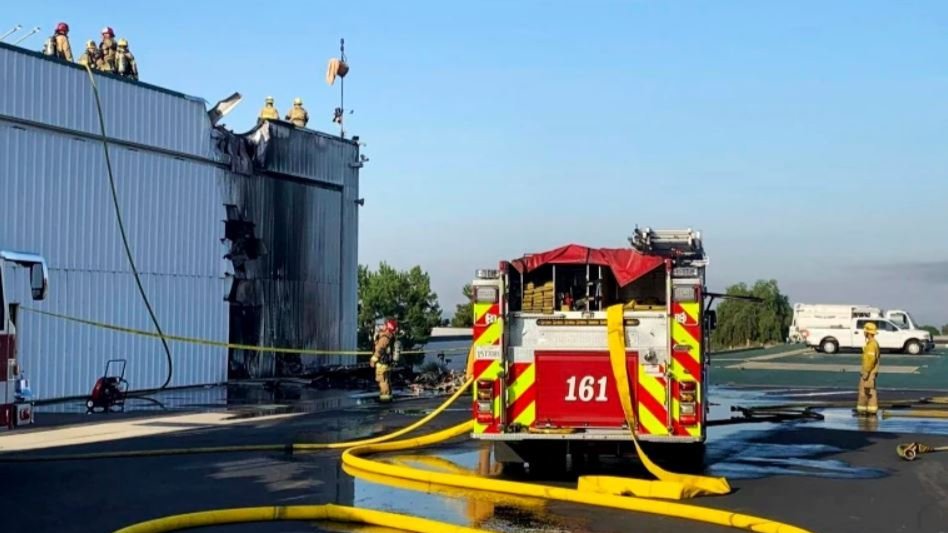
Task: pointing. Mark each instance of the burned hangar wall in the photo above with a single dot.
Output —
(177, 185)
(293, 245)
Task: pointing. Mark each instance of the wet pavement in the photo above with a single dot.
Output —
(837, 474)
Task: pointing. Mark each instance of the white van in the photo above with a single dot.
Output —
(813, 316)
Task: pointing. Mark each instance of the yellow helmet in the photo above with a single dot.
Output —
(90, 44)
(268, 100)
(871, 328)
(122, 43)
(298, 101)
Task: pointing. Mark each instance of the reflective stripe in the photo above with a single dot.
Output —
(650, 396)
(687, 364)
(521, 394)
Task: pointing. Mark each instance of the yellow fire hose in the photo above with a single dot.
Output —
(916, 413)
(336, 513)
(602, 491)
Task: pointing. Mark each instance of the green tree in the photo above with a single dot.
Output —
(464, 312)
(743, 323)
(944, 329)
(931, 329)
(404, 295)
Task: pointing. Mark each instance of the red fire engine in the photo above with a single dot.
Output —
(544, 386)
(16, 409)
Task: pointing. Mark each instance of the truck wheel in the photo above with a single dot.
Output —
(913, 347)
(829, 346)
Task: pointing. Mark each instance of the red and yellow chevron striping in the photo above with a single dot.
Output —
(686, 360)
(521, 394)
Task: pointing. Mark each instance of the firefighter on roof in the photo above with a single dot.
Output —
(386, 354)
(91, 57)
(269, 112)
(107, 49)
(868, 402)
(298, 115)
(58, 44)
(125, 65)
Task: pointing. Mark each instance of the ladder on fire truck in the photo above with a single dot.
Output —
(679, 242)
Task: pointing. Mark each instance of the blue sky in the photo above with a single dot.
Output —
(806, 139)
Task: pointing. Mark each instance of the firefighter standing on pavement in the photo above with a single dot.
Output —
(269, 112)
(297, 115)
(58, 44)
(868, 402)
(386, 354)
(125, 65)
(107, 49)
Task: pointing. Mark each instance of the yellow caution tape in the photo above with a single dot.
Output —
(219, 344)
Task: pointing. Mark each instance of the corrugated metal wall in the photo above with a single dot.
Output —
(55, 93)
(55, 200)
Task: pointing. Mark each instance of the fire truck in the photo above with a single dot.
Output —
(16, 407)
(544, 388)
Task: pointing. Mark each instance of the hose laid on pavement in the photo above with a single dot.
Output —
(288, 448)
(353, 459)
(592, 490)
(337, 513)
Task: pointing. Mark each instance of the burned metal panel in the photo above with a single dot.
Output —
(292, 295)
(48, 91)
(350, 254)
(301, 153)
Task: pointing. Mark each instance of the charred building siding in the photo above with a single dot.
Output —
(195, 200)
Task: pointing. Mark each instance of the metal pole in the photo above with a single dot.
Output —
(342, 91)
(28, 35)
(11, 32)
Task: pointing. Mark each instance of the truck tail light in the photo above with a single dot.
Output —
(484, 401)
(687, 402)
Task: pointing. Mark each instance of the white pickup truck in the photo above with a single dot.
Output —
(890, 337)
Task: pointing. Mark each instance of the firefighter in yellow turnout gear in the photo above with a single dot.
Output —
(298, 115)
(868, 402)
(386, 354)
(91, 57)
(269, 111)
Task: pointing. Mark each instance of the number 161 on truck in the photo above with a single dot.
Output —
(544, 387)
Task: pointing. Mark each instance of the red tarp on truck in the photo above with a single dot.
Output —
(627, 264)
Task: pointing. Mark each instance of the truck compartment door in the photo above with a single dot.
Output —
(578, 390)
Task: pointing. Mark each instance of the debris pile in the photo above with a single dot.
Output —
(436, 379)
(431, 379)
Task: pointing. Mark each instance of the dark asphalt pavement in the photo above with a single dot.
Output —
(830, 476)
